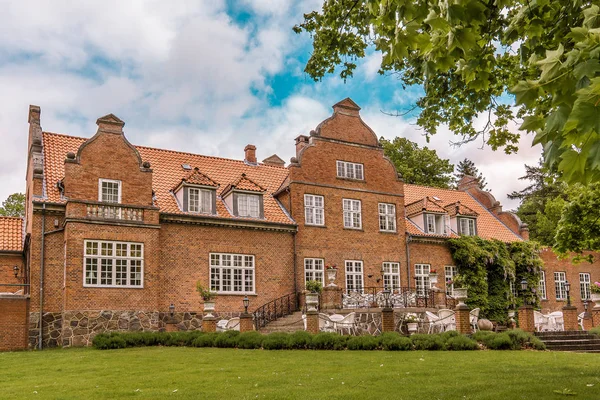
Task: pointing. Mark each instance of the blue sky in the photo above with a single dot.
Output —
(206, 77)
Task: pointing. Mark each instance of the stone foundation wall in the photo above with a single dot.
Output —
(51, 332)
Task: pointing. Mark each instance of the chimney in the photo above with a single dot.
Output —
(250, 154)
(467, 182)
(524, 231)
(301, 142)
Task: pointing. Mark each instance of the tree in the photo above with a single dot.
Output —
(468, 54)
(13, 206)
(420, 166)
(467, 167)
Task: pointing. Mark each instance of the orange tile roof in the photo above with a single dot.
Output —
(198, 178)
(460, 209)
(168, 173)
(243, 183)
(11, 233)
(424, 204)
(488, 226)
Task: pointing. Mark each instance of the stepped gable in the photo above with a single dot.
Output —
(488, 225)
(342, 125)
(11, 234)
(168, 173)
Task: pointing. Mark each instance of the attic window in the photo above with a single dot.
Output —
(436, 198)
(186, 166)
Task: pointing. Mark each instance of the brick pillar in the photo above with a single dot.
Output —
(246, 322)
(209, 324)
(570, 318)
(331, 298)
(587, 321)
(312, 322)
(387, 320)
(526, 320)
(462, 318)
(596, 316)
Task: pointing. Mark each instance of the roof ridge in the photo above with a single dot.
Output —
(494, 216)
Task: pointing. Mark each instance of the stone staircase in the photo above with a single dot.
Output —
(578, 341)
(289, 324)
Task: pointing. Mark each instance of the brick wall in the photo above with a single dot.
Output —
(7, 263)
(14, 313)
(435, 253)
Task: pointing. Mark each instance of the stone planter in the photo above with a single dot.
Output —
(433, 278)
(209, 307)
(312, 301)
(412, 327)
(595, 297)
(460, 294)
(331, 274)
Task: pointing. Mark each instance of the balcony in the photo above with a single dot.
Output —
(116, 212)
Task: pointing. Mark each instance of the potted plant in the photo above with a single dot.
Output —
(209, 298)
(433, 276)
(314, 288)
(412, 323)
(331, 274)
(595, 289)
(459, 293)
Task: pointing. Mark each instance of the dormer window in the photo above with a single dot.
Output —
(109, 191)
(197, 193)
(248, 205)
(350, 170)
(200, 200)
(467, 226)
(244, 198)
(436, 224)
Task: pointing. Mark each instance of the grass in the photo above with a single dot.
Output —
(212, 373)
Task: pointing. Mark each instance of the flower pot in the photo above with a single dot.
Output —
(595, 297)
(511, 314)
(433, 278)
(461, 295)
(412, 327)
(331, 273)
(209, 307)
(312, 301)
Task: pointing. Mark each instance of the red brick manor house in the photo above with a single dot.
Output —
(116, 236)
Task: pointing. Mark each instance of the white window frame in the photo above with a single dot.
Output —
(246, 199)
(354, 276)
(542, 286)
(560, 278)
(314, 213)
(427, 223)
(352, 213)
(314, 269)
(201, 194)
(450, 271)
(113, 259)
(387, 217)
(350, 170)
(422, 282)
(470, 229)
(223, 267)
(391, 275)
(100, 194)
(585, 281)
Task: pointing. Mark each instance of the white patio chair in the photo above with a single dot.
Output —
(447, 319)
(580, 320)
(233, 324)
(325, 323)
(473, 318)
(304, 321)
(433, 321)
(541, 321)
(557, 321)
(221, 324)
(347, 324)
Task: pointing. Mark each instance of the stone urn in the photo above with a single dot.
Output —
(595, 297)
(460, 294)
(209, 307)
(412, 327)
(312, 301)
(331, 274)
(433, 278)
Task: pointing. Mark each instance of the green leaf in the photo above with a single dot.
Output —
(526, 92)
(532, 123)
(587, 68)
(572, 165)
(550, 65)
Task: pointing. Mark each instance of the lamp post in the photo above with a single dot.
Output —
(16, 271)
(524, 290)
(567, 289)
(172, 310)
(246, 302)
(526, 319)
(386, 298)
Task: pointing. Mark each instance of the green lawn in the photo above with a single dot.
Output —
(198, 373)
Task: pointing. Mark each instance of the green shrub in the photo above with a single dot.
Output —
(595, 331)
(227, 339)
(500, 341)
(276, 341)
(448, 334)
(327, 341)
(300, 340)
(105, 341)
(205, 340)
(461, 342)
(427, 342)
(363, 343)
(482, 336)
(250, 340)
(536, 344)
(393, 341)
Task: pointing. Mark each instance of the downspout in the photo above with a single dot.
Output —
(295, 234)
(42, 276)
(408, 240)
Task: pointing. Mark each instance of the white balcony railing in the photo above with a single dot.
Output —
(123, 213)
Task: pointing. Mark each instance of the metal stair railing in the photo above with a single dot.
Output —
(274, 309)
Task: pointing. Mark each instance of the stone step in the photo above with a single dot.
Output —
(563, 338)
(580, 347)
(563, 333)
(578, 340)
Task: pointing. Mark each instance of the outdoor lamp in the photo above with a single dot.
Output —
(16, 271)
(567, 289)
(524, 285)
(386, 298)
(246, 302)
(172, 310)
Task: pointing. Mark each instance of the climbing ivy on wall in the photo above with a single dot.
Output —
(486, 268)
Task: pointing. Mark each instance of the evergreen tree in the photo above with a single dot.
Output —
(467, 167)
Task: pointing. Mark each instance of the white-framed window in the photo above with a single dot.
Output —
(314, 213)
(109, 191)
(513, 288)
(113, 264)
(354, 276)
(248, 205)
(449, 274)
(584, 285)
(232, 273)
(542, 285)
(313, 270)
(430, 223)
(200, 200)
(466, 226)
(352, 214)
(350, 170)
(422, 279)
(387, 217)
(391, 275)
(559, 285)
